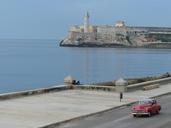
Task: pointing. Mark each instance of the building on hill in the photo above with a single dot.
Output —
(119, 34)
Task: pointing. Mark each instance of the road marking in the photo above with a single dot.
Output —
(113, 123)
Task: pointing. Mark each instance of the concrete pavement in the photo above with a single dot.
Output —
(40, 110)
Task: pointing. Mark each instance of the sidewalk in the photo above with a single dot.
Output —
(40, 110)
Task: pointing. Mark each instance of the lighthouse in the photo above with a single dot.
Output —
(86, 22)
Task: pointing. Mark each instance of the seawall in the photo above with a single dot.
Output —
(12, 95)
(133, 85)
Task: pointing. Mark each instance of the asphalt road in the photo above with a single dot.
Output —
(122, 118)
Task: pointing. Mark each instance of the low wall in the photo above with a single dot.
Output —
(96, 88)
(137, 86)
(131, 87)
(6, 96)
(134, 80)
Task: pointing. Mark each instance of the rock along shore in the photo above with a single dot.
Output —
(166, 45)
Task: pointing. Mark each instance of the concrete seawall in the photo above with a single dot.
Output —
(132, 87)
(134, 80)
(140, 86)
(12, 95)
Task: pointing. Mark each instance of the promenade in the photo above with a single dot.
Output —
(44, 109)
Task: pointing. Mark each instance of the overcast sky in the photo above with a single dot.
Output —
(50, 19)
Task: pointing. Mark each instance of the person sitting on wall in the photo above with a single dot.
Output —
(76, 82)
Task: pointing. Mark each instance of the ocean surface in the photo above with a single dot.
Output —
(30, 64)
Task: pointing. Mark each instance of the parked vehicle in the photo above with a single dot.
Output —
(146, 107)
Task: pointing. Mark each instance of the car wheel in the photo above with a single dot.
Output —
(134, 115)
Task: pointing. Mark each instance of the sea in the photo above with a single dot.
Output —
(30, 64)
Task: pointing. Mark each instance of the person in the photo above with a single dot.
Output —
(78, 82)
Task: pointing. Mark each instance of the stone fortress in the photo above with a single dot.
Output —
(118, 35)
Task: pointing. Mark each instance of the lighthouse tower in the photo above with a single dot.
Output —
(86, 22)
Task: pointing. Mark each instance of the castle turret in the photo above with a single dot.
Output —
(86, 22)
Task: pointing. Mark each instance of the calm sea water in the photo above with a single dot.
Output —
(29, 64)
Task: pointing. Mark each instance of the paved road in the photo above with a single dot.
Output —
(121, 118)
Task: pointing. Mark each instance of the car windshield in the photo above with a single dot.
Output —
(145, 102)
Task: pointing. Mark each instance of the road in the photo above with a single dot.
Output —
(122, 118)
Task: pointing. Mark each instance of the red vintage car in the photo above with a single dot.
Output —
(146, 107)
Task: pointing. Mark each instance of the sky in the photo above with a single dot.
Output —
(51, 19)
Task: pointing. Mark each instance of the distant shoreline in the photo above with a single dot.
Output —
(91, 44)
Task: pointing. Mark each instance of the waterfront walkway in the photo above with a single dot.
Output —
(44, 109)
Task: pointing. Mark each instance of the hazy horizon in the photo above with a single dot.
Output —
(44, 19)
